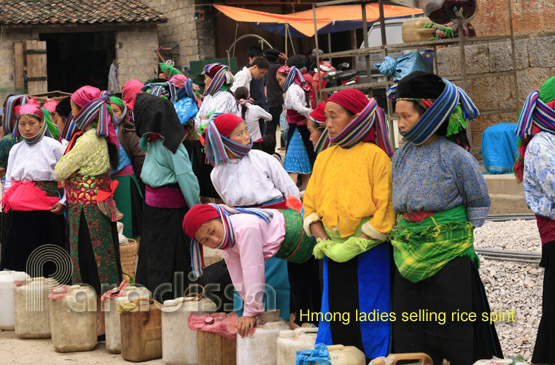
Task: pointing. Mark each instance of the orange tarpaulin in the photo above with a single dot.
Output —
(303, 22)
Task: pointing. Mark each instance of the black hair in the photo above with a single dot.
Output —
(272, 55)
(268, 144)
(113, 154)
(255, 51)
(296, 60)
(261, 63)
(63, 108)
(242, 93)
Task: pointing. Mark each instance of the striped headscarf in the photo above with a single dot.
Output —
(117, 101)
(218, 144)
(319, 117)
(35, 111)
(161, 89)
(537, 115)
(294, 75)
(10, 111)
(69, 128)
(222, 78)
(439, 112)
(169, 70)
(202, 213)
(186, 91)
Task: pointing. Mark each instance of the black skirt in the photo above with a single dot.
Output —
(164, 253)
(201, 169)
(456, 288)
(26, 231)
(544, 351)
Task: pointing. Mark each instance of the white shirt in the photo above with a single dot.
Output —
(252, 180)
(220, 102)
(242, 78)
(253, 114)
(295, 98)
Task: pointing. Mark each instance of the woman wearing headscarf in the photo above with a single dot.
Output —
(171, 189)
(31, 193)
(129, 93)
(535, 168)
(129, 195)
(218, 99)
(348, 209)
(300, 155)
(317, 128)
(441, 196)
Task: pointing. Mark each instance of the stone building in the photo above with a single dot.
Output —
(75, 43)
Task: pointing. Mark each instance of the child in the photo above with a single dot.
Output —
(251, 114)
(317, 128)
(249, 237)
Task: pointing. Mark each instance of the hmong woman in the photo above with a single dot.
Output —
(85, 171)
(317, 128)
(300, 155)
(348, 209)
(535, 167)
(32, 193)
(171, 190)
(128, 196)
(249, 178)
(441, 195)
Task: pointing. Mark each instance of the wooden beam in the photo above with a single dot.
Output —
(19, 81)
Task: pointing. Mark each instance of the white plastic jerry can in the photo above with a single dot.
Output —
(346, 355)
(291, 341)
(32, 308)
(7, 278)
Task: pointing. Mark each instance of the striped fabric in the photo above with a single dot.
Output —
(9, 112)
(94, 109)
(228, 241)
(69, 128)
(221, 78)
(535, 112)
(36, 138)
(439, 112)
(323, 142)
(293, 76)
(371, 116)
(161, 89)
(186, 91)
(218, 145)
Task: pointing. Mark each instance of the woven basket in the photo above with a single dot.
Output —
(128, 256)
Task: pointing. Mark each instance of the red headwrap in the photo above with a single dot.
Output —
(50, 105)
(197, 216)
(130, 91)
(31, 108)
(213, 70)
(351, 99)
(85, 94)
(226, 123)
(178, 80)
(318, 114)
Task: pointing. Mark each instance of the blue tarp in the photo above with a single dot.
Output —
(499, 148)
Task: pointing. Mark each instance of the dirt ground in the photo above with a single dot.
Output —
(17, 351)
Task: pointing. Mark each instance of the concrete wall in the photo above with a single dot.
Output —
(194, 39)
(135, 53)
(7, 38)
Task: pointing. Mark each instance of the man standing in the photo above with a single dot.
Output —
(274, 92)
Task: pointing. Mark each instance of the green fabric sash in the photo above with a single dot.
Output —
(297, 246)
(421, 249)
(343, 249)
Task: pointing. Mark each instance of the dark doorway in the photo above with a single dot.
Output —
(78, 59)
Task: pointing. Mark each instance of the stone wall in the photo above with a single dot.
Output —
(135, 53)
(194, 39)
(491, 83)
(7, 73)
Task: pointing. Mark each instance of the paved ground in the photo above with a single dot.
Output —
(16, 351)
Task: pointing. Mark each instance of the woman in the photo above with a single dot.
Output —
(129, 196)
(535, 167)
(317, 128)
(441, 195)
(171, 190)
(348, 209)
(32, 193)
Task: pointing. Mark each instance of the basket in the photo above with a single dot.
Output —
(128, 256)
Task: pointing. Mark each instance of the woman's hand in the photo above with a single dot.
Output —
(317, 229)
(245, 324)
(362, 235)
(57, 209)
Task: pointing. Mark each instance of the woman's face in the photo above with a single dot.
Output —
(241, 134)
(116, 109)
(207, 81)
(74, 107)
(29, 126)
(281, 79)
(211, 233)
(315, 133)
(407, 115)
(60, 122)
(337, 118)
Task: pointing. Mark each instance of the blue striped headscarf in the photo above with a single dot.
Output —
(9, 112)
(218, 145)
(439, 112)
(69, 128)
(222, 78)
(161, 89)
(186, 91)
(294, 75)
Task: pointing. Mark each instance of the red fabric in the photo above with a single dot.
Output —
(178, 80)
(212, 71)
(417, 217)
(116, 292)
(546, 227)
(50, 105)
(197, 216)
(220, 323)
(294, 203)
(226, 123)
(312, 91)
(85, 94)
(105, 195)
(318, 113)
(130, 91)
(31, 108)
(164, 197)
(63, 293)
(26, 196)
(351, 99)
(294, 117)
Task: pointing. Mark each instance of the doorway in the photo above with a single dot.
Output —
(78, 59)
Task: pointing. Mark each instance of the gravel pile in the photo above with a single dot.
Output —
(512, 285)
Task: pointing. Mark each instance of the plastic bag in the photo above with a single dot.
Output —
(186, 108)
(283, 126)
(403, 65)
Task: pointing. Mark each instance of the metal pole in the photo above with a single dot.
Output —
(382, 27)
(463, 73)
(319, 93)
(367, 56)
(329, 45)
(286, 29)
(514, 52)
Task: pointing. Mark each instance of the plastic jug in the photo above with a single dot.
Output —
(392, 359)
(346, 355)
(291, 341)
(7, 278)
(214, 348)
(111, 315)
(73, 318)
(141, 330)
(32, 308)
(261, 347)
(179, 343)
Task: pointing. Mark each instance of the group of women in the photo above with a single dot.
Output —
(392, 232)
